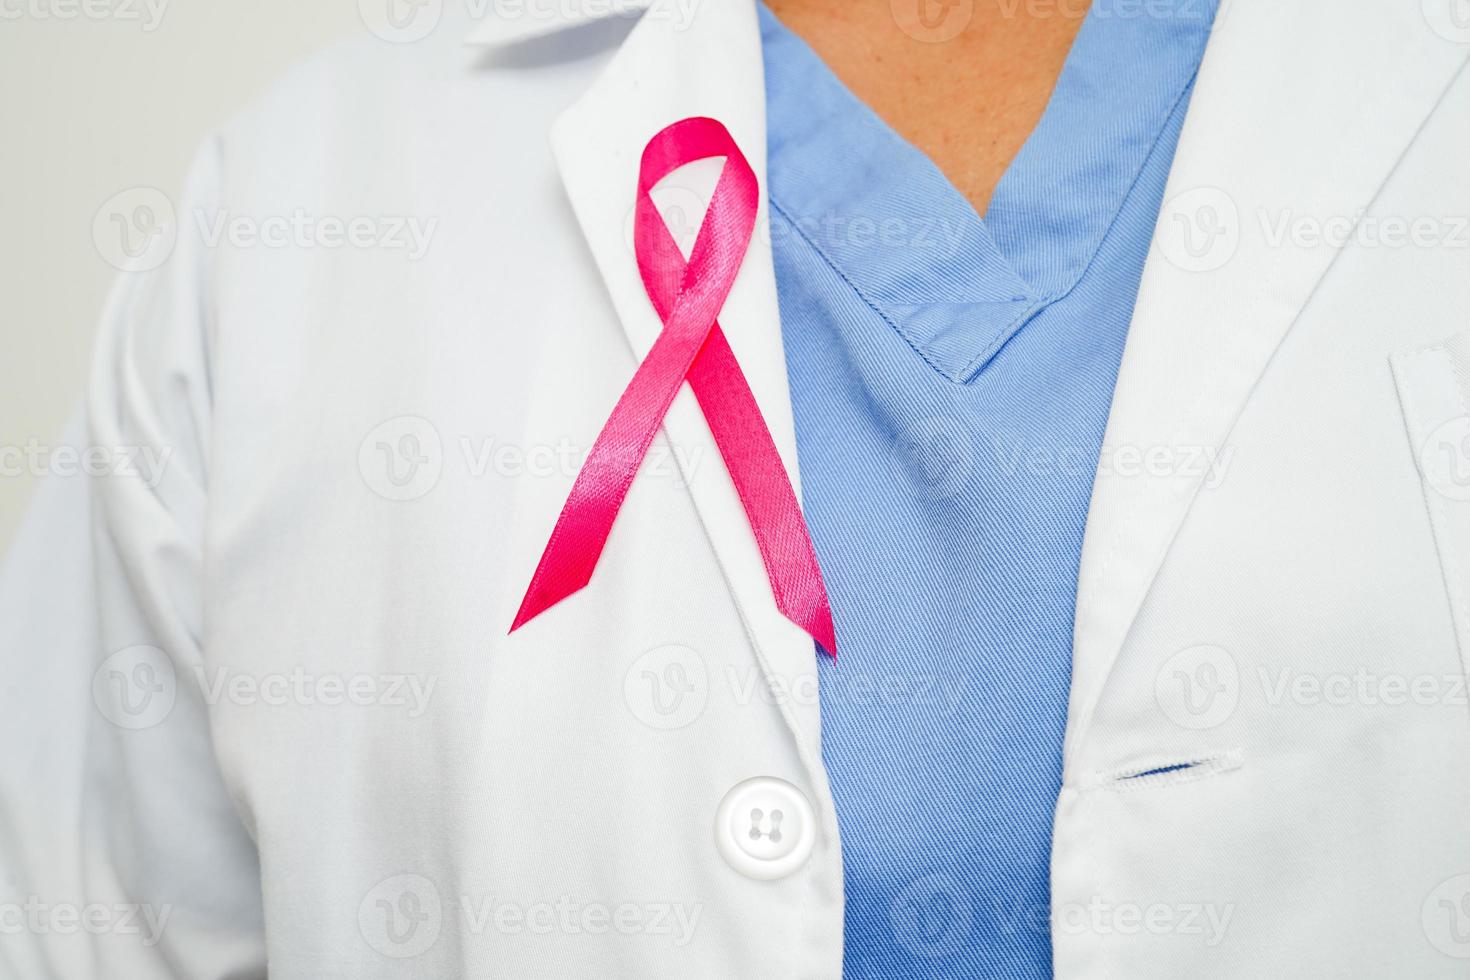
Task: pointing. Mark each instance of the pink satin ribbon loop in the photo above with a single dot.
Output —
(688, 296)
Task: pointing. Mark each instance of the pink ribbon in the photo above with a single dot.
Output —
(688, 297)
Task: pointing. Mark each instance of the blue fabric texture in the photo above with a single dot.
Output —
(951, 378)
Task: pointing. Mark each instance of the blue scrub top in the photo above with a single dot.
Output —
(951, 378)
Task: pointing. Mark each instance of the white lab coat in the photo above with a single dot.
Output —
(264, 710)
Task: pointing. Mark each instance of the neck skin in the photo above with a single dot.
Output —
(966, 81)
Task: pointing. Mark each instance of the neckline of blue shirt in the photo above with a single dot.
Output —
(955, 285)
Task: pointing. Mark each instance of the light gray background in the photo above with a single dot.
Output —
(97, 103)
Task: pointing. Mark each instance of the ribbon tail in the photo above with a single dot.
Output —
(817, 623)
(602, 484)
(764, 488)
(597, 494)
(566, 565)
(541, 595)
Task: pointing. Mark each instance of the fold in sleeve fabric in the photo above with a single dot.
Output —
(121, 850)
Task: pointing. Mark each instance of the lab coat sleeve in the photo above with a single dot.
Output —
(121, 851)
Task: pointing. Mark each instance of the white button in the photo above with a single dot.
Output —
(765, 828)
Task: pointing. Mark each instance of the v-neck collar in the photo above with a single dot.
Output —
(880, 212)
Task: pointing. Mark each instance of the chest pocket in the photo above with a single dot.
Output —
(1434, 393)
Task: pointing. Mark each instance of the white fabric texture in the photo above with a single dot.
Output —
(270, 700)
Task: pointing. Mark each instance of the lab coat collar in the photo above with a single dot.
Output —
(1301, 110)
(509, 22)
(669, 68)
(666, 70)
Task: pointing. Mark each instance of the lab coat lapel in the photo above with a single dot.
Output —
(670, 68)
(1300, 110)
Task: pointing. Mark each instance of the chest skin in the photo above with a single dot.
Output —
(964, 83)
